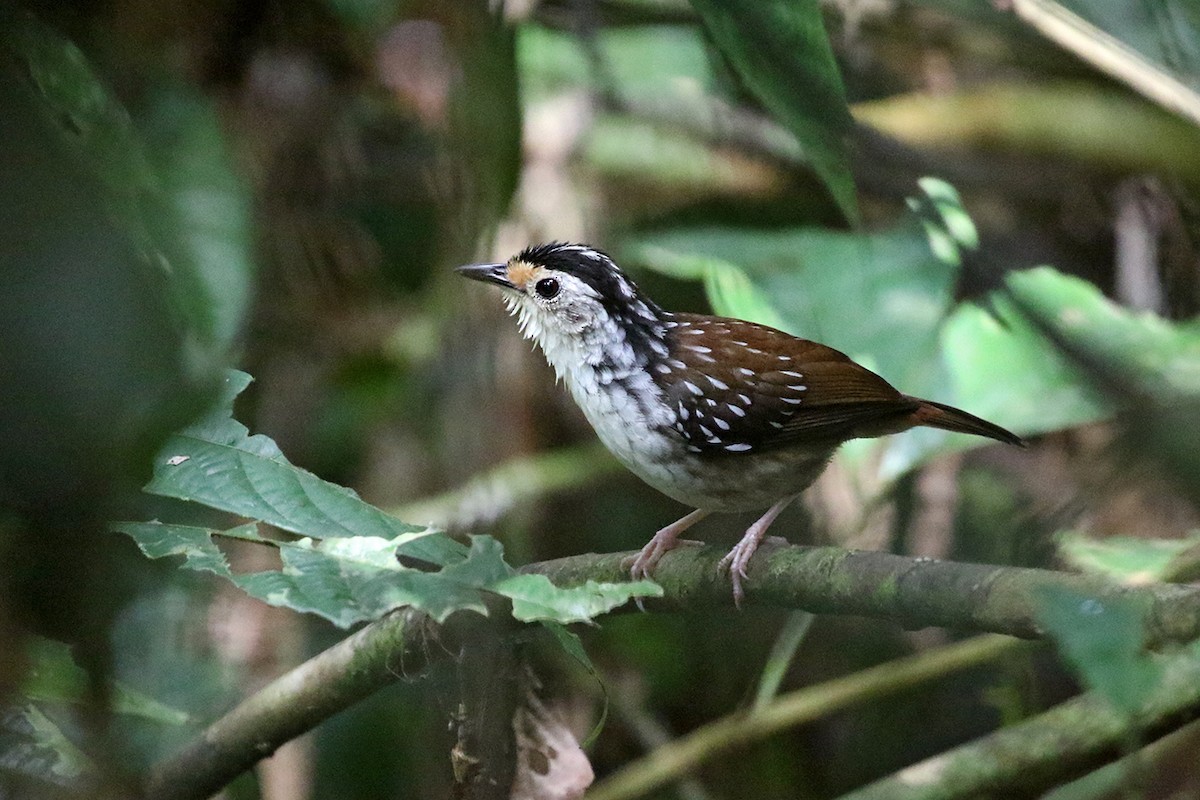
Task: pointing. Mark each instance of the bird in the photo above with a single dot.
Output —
(721, 414)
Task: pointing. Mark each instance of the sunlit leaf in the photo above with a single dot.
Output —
(358, 579)
(216, 462)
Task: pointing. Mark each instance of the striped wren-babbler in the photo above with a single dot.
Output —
(718, 413)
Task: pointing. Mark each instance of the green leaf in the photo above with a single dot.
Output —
(534, 597)
(1044, 391)
(357, 579)
(348, 567)
(1161, 357)
(54, 677)
(780, 50)
(207, 214)
(99, 362)
(216, 462)
(986, 349)
(570, 643)
(1102, 640)
(1125, 559)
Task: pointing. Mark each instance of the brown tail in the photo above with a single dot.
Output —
(949, 418)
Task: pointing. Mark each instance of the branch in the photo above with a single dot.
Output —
(292, 704)
(1027, 759)
(1110, 55)
(679, 757)
(913, 592)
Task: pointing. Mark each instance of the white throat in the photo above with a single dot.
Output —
(606, 376)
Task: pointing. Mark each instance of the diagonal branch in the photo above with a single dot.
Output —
(743, 728)
(1066, 742)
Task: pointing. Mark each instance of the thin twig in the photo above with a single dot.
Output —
(795, 628)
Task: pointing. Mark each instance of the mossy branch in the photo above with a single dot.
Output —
(1066, 742)
(743, 728)
(292, 704)
(912, 592)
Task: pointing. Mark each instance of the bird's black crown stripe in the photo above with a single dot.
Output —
(638, 315)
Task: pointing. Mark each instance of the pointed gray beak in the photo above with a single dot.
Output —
(488, 273)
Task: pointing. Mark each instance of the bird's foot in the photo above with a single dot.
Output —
(737, 560)
(734, 564)
(647, 559)
(642, 565)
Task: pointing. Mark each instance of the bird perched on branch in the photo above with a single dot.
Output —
(717, 413)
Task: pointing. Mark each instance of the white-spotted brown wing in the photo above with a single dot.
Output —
(737, 387)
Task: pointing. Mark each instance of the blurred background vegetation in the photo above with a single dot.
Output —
(285, 187)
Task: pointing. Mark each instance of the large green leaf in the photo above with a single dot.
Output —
(1004, 369)
(54, 677)
(100, 357)
(1102, 640)
(1044, 391)
(781, 52)
(352, 564)
(206, 214)
(216, 462)
(356, 579)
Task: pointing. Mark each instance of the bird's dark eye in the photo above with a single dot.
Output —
(546, 288)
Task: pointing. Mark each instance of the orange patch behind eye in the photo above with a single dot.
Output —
(520, 273)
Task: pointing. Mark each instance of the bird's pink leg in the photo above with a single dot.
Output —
(736, 561)
(661, 542)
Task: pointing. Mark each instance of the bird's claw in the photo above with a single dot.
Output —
(734, 564)
(642, 566)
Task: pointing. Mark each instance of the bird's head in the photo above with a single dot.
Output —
(571, 298)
